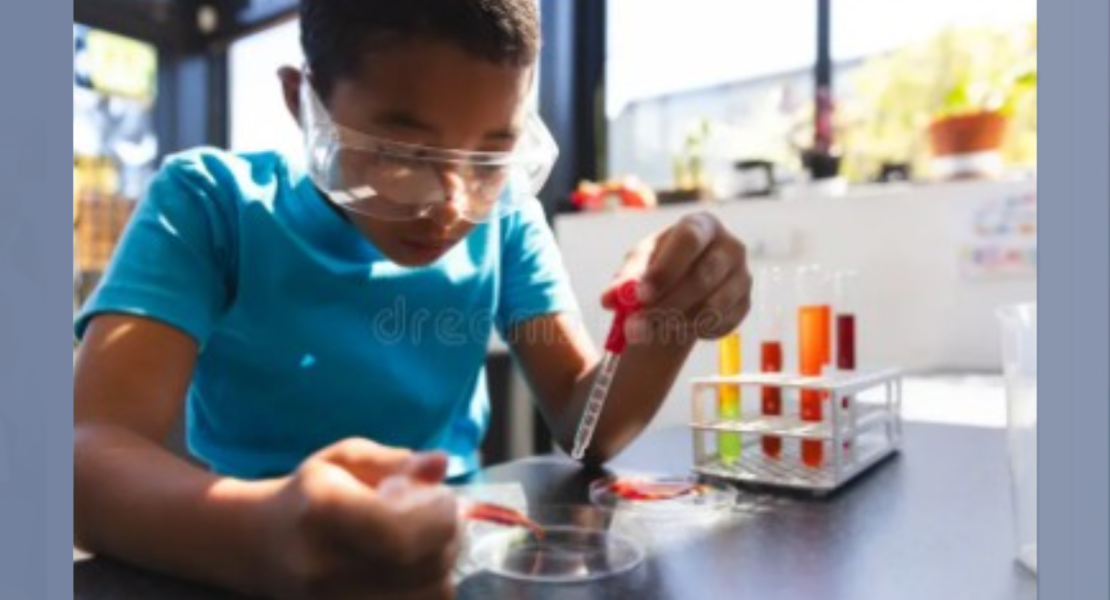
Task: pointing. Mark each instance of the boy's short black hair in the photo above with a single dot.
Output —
(336, 35)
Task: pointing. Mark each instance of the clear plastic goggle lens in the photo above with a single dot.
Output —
(397, 181)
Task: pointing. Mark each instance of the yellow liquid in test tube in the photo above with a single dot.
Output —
(728, 397)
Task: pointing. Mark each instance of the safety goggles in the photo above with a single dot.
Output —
(391, 180)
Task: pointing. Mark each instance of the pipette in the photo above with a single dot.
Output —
(614, 345)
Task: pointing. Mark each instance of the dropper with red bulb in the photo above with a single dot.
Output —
(627, 303)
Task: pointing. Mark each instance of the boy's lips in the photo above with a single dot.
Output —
(426, 248)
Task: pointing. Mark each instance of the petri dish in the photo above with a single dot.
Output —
(577, 545)
(684, 495)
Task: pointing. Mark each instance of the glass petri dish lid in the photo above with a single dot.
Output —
(576, 545)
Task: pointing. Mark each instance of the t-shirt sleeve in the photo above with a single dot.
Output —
(534, 281)
(174, 260)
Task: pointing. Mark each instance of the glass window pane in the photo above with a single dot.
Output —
(257, 116)
(927, 61)
(115, 147)
(742, 67)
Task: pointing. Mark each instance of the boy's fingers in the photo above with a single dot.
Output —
(633, 267)
(718, 280)
(676, 252)
(368, 461)
(404, 522)
(608, 297)
(407, 518)
(430, 467)
(703, 278)
(392, 521)
(424, 518)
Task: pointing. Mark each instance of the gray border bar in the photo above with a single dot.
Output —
(1073, 288)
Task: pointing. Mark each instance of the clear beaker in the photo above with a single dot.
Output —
(1019, 366)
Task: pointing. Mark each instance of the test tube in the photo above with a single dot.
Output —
(846, 306)
(728, 398)
(814, 349)
(844, 301)
(770, 300)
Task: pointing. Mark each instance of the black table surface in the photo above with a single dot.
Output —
(932, 522)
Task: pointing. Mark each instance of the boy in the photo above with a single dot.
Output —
(297, 315)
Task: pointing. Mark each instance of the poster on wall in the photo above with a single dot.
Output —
(998, 236)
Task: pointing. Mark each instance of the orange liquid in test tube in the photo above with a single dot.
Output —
(815, 351)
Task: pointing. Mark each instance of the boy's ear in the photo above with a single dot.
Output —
(291, 81)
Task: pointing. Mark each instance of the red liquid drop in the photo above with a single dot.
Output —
(636, 489)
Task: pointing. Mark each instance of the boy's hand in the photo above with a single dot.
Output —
(693, 277)
(360, 520)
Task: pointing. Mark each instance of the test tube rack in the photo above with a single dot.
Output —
(855, 437)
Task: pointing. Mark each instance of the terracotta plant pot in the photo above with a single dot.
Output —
(967, 134)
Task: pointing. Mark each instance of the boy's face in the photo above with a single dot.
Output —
(432, 94)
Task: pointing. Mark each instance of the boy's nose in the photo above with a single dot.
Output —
(455, 196)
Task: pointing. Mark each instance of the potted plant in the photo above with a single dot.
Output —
(978, 96)
(965, 94)
(690, 179)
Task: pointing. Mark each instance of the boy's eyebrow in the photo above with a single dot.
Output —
(405, 120)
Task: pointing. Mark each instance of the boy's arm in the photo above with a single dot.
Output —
(356, 519)
(698, 288)
(132, 498)
(560, 363)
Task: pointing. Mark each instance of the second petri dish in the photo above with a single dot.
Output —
(661, 494)
(576, 545)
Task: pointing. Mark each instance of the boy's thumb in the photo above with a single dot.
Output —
(427, 467)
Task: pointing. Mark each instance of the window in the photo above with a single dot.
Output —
(257, 116)
(741, 67)
(740, 73)
(114, 144)
(928, 59)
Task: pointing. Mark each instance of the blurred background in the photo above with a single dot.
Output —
(895, 139)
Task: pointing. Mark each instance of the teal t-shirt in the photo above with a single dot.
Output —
(307, 333)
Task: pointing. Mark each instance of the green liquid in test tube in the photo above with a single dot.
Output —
(728, 397)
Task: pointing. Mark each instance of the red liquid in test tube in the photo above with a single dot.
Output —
(771, 307)
(846, 311)
(770, 361)
(846, 342)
